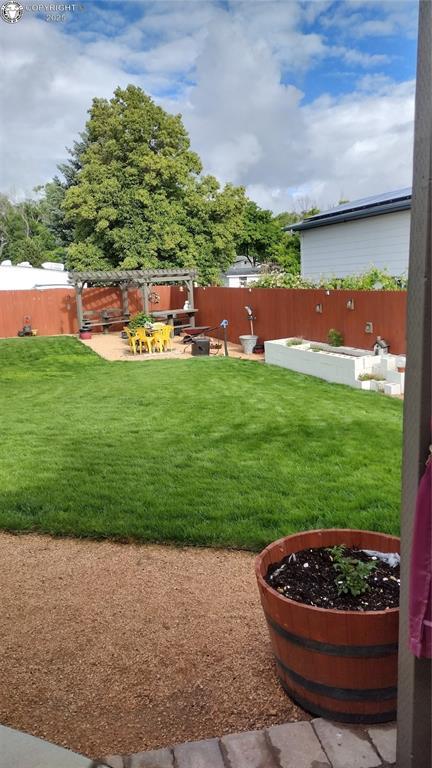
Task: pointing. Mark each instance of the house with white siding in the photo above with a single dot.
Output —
(241, 274)
(352, 238)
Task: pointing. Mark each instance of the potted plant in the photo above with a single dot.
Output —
(140, 320)
(339, 663)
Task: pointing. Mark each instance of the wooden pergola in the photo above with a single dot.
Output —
(145, 279)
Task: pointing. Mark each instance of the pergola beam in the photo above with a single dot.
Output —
(132, 277)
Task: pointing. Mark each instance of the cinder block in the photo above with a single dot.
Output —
(297, 746)
(346, 747)
(247, 750)
(112, 761)
(391, 389)
(156, 758)
(384, 740)
(199, 754)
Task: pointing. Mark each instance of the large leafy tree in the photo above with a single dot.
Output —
(263, 239)
(136, 196)
(25, 234)
(261, 235)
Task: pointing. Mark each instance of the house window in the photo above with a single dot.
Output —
(243, 282)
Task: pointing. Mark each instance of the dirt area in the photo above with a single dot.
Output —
(112, 347)
(118, 648)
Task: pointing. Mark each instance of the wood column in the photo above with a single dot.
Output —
(79, 306)
(190, 291)
(414, 681)
(144, 293)
(125, 299)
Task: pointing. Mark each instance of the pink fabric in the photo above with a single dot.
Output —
(420, 604)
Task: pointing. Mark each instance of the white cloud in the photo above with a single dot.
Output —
(246, 124)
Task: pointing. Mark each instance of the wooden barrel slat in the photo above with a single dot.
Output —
(340, 716)
(309, 664)
(338, 664)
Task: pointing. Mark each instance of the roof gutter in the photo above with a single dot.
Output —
(339, 218)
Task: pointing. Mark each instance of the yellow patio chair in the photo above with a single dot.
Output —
(158, 339)
(146, 339)
(162, 338)
(167, 334)
(132, 339)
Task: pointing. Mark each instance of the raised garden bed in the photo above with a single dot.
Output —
(341, 365)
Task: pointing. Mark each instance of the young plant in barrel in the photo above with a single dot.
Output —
(352, 573)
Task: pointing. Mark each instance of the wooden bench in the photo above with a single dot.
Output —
(104, 318)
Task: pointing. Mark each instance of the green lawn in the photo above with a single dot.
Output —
(199, 451)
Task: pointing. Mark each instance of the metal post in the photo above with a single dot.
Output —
(414, 682)
(224, 325)
(79, 306)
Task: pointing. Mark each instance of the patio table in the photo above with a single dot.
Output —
(171, 314)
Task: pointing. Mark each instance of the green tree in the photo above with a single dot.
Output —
(261, 235)
(24, 235)
(136, 197)
(52, 211)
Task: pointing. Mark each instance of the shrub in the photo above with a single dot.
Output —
(294, 342)
(371, 377)
(335, 338)
(374, 279)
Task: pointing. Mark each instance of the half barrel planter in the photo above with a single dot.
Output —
(341, 665)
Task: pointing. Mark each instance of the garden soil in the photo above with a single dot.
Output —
(118, 648)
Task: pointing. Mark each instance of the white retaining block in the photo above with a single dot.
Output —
(391, 389)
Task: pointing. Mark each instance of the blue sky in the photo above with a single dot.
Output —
(295, 100)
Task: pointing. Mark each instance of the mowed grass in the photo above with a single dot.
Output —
(210, 451)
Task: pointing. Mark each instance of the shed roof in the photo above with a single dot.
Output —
(388, 202)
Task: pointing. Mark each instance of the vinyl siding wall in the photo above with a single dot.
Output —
(353, 247)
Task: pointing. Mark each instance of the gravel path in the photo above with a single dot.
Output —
(118, 648)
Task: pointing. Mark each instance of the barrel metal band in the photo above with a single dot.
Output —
(358, 651)
(340, 717)
(343, 694)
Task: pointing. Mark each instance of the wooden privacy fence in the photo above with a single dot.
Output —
(53, 311)
(279, 311)
(284, 312)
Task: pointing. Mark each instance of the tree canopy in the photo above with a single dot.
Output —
(25, 233)
(133, 195)
(136, 196)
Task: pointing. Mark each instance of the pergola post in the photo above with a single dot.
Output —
(79, 306)
(144, 292)
(414, 682)
(190, 291)
(125, 299)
